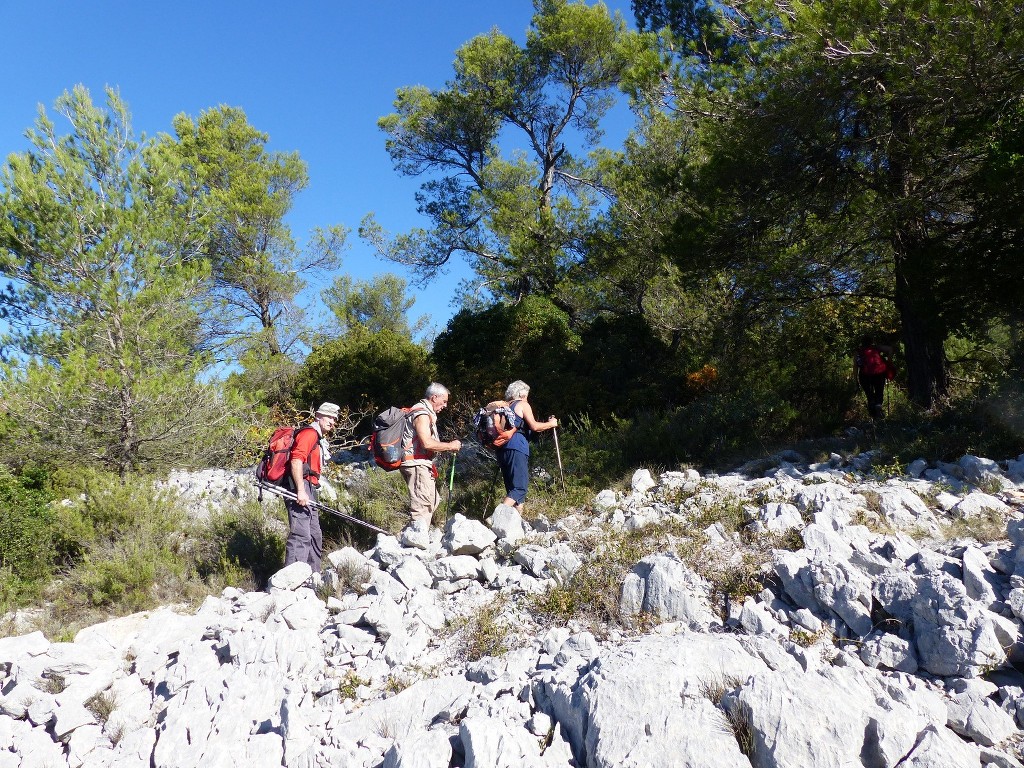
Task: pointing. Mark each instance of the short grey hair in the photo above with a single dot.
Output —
(517, 389)
(436, 390)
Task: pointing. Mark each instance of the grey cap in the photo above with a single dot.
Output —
(328, 409)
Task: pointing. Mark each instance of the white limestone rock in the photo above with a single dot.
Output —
(290, 578)
(421, 749)
(645, 703)
(507, 524)
(467, 537)
(978, 504)
(642, 481)
(412, 573)
(888, 651)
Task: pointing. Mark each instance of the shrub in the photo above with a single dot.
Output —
(102, 705)
(28, 527)
(592, 593)
(129, 555)
(985, 528)
(378, 497)
(487, 633)
(241, 545)
(364, 367)
(349, 684)
(123, 578)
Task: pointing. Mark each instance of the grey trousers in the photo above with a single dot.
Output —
(305, 540)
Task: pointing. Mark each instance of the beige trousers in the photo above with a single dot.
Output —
(423, 495)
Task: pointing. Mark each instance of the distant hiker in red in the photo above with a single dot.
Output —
(872, 368)
(305, 540)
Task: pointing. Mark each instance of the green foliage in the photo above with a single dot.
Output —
(886, 470)
(106, 298)
(517, 215)
(130, 547)
(257, 269)
(482, 352)
(349, 685)
(269, 380)
(123, 546)
(364, 368)
(239, 545)
(378, 497)
(375, 305)
(27, 532)
(123, 578)
(592, 593)
(485, 633)
(842, 156)
(769, 386)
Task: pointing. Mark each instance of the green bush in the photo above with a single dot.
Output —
(485, 633)
(27, 533)
(239, 545)
(380, 498)
(363, 368)
(122, 578)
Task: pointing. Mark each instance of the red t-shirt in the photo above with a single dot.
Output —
(307, 450)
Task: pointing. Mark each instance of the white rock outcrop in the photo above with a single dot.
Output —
(873, 640)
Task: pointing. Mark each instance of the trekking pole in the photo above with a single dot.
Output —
(558, 454)
(451, 484)
(285, 493)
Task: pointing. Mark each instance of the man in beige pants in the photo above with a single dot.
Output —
(418, 467)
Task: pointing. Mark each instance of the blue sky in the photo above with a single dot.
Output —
(315, 76)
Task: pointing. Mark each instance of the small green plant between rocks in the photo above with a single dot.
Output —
(102, 705)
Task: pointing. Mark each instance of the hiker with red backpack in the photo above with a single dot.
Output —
(514, 456)
(872, 367)
(305, 462)
(418, 468)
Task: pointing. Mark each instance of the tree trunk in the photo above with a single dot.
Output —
(269, 330)
(127, 432)
(927, 373)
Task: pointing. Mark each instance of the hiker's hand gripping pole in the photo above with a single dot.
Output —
(285, 493)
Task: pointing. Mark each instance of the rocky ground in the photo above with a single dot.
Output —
(883, 630)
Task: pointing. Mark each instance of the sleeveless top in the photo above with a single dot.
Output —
(416, 454)
(518, 441)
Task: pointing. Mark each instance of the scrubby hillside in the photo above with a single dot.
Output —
(784, 614)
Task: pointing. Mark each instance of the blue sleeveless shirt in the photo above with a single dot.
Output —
(518, 441)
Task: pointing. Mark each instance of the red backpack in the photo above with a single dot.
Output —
(871, 361)
(273, 466)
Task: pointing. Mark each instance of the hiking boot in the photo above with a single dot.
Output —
(415, 535)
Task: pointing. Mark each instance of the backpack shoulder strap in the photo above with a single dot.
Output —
(419, 409)
(306, 469)
(517, 414)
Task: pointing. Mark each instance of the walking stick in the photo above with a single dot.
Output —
(451, 484)
(285, 493)
(558, 454)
